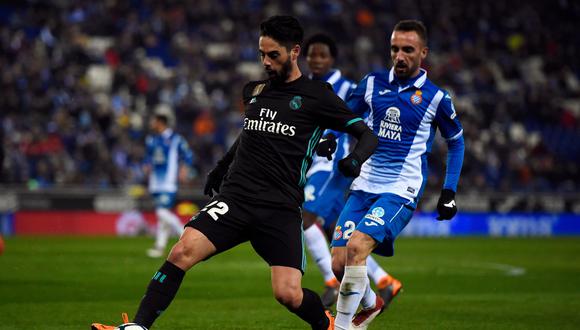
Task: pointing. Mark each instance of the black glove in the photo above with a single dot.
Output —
(350, 166)
(214, 180)
(446, 205)
(326, 146)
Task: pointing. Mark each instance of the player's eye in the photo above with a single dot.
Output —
(394, 49)
(272, 55)
(408, 49)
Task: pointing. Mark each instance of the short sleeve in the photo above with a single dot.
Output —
(356, 99)
(332, 112)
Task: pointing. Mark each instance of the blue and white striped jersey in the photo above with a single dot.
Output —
(405, 116)
(163, 153)
(342, 87)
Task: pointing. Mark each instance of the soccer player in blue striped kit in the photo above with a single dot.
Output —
(325, 191)
(168, 158)
(404, 109)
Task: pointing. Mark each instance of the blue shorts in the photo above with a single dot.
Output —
(381, 216)
(164, 200)
(325, 195)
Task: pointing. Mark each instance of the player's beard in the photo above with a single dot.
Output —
(281, 76)
(403, 70)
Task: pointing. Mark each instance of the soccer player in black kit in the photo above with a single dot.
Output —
(260, 180)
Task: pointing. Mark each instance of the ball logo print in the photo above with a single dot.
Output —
(296, 102)
(378, 212)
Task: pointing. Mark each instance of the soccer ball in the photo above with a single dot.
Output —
(130, 326)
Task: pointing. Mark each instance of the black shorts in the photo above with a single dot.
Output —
(274, 231)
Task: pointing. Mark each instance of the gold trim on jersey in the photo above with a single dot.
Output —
(258, 89)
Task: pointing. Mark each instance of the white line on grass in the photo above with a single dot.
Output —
(508, 269)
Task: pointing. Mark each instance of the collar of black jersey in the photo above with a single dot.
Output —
(283, 84)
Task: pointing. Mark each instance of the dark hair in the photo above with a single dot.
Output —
(162, 118)
(321, 38)
(413, 25)
(286, 30)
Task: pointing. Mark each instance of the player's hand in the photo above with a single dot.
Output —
(214, 181)
(326, 146)
(349, 166)
(446, 206)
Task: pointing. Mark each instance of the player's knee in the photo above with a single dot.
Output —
(356, 252)
(288, 296)
(182, 255)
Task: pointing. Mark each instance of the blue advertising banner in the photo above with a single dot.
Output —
(495, 224)
(7, 224)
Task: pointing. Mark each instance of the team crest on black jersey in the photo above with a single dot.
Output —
(296, 103)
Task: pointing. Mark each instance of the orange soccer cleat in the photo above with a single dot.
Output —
(389, 287)
(330, 320)
(98, 326)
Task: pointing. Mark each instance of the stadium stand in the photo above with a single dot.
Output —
(80, 78)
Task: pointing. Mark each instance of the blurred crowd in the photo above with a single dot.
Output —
(79, 81)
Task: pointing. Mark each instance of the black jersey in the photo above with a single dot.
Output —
(282, 126)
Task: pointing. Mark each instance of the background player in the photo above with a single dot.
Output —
(405, 109)
(164, 151)
(325, 191)
(263, 190)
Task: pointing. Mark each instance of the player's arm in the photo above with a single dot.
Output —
(355, 101)
(451, 130)
(364, 148)
(216, 176)
(338, 116)
(147, 161)
(187, 157)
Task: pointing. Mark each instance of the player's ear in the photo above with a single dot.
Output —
(424, 52)
(295, 52)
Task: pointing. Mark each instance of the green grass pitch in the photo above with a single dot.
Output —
(477, 283)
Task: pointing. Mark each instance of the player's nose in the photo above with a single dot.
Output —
(266, 62)
(399, 57)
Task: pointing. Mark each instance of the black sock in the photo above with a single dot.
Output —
(159, 294)
(312, 311)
